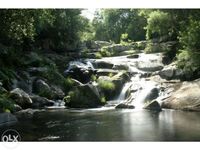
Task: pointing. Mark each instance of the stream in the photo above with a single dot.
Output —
(110, 124)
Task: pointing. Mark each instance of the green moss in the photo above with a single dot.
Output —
(106, 85)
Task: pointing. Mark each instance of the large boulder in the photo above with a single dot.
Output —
(150, 62)
(118, 47)
(187, 97)
(40, 102)
(103, 64)
(85, 96)
(117, 81)
(153, 105)
(170, 72)
(7, 119)
(21, 98)
(80, 70)
(41, 88)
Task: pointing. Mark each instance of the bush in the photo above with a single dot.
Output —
(188, 61)
(6, 104)
(105, 53)
(106, 85)
(98, 55)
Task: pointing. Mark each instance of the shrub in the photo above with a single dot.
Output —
(98, 55)
(5, 103)
(106, 85)
(105, 53)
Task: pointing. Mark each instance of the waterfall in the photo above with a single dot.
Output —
(143, 92)
(122, 95)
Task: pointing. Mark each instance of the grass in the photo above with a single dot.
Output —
(106, 85)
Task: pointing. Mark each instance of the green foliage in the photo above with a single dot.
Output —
(189, 38)
(5, 103)
(103, 100)
(106, 85)
(98, 55)
(93, 77)
(105, 52)
(158, 25)
(124, 39)
(110, 24)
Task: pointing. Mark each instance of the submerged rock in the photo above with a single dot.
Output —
(27, 113)
(7, 119)
(153, 105)
(124, 106)
(21, 98)
(187, 97)
(133, 56)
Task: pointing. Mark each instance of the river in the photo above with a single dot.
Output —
(110, 125)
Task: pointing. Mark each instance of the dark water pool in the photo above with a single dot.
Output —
(110, 125)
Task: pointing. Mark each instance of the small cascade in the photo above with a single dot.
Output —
(59, 104)
(122, 95)
(142, 93)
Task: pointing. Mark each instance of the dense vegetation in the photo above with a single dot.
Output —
(28, 37)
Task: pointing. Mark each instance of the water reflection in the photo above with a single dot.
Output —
(111, 125)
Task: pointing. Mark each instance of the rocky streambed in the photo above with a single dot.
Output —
(140, 82)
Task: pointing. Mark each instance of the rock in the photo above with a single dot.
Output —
(81, 71)
(23, 81)
(40, 102)
(118, 47)
(154, 93)
(85, 96)
(76, 82)
(121, 67)
(150, 62)
(118, 80)
(153, 105)
(103, 64)
(7, 119)
(57, 92)
(27, 113)
(21, 98)
(133, 56)
(102, 43)
(124, 106)
(170, 72)
(106, 72)
(187, 97)
(148, 66)
(96, 44)
(41, 88)
(17, 108)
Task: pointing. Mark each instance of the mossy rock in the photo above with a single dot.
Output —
(84, 96)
